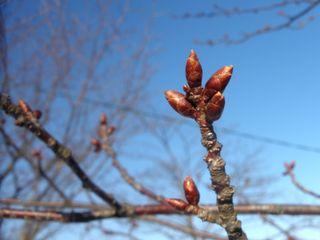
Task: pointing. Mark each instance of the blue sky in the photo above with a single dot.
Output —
(274, 90)
(275, 85)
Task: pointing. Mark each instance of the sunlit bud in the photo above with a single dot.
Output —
(218, 81)
(186, 88)
(24, 106)
(103, 119)
(96, 144)
(193, 70)
(179, 103)
(37, 114)
(289, 167)
(191, 191)
(215, 107)
(111, 130)
(177, 203)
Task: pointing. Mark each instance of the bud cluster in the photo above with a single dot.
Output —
(191, 194)
(104, 132)
(210, 96)
(28, 112)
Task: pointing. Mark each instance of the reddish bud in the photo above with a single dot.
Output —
(111, 130)
(177, 203)
(103, 119)
(218, 81)
(191, 191)
(37, 114)
(215, 107)
(289, 167)
(186, 88)
(96, 144)
(193, 70)
(179, 103)
(37, 154)
(24, 106)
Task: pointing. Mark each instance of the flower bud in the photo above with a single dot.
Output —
(218, 81)
(215, 107)
(191, 191)
(193, 70)
(179, 103)
(24, 106)
(177, 203)
(103, 119)
(37, 154)
(37, 114)
(96, 145)
(111, 130)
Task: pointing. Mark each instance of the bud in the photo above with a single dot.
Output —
(179, 103)
(215, 107)
(193, 70)
(96, 144)
(103, 119)
(218, 81)
(186, 88)
(191, 191)
(37, 154)
(289, 167)
(177, 203)
(111, 130)
(37, 114)
(24, 106)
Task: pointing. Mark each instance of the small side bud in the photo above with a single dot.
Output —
(103, 119)
(177, 203)
(186, 88)
(24, 106)
(96, 145)
(193, 70)
(218, 81)
(289, 167)
(111, 130)
(37, 114)
(179, 103)
(191, 191)
(36, 153)
(215, 107)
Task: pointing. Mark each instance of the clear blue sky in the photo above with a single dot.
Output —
(274, 90)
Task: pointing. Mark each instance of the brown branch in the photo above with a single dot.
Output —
(105, 132)
(289, 171)
(227, 12)
(26, 120)
(205, 105)
(98, 212)
(290, 20)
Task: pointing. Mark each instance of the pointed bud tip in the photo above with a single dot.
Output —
(191, 191)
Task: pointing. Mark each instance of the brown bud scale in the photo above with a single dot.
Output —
(177, 203)
(103, 119)
(218, 81)
(179, 103)
(215, 107)
(191, 191)
(193, 70)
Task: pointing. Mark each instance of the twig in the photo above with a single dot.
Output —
(205, 105)
(25, 119)
(289, 171)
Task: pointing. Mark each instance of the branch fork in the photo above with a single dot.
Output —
(205, 105)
